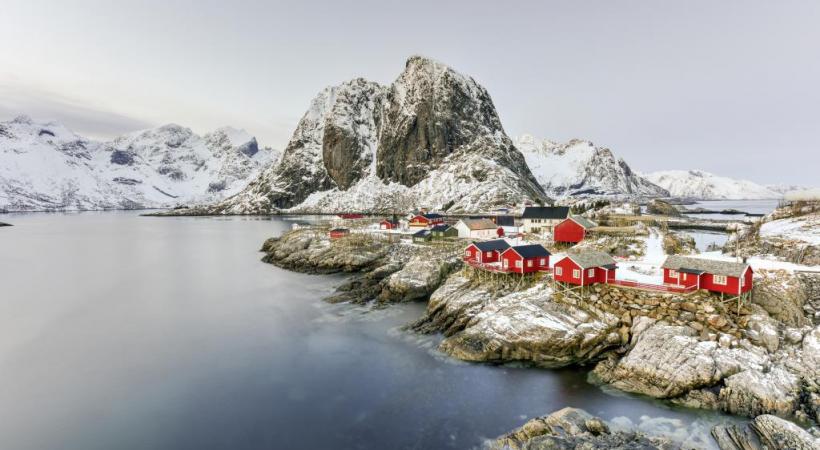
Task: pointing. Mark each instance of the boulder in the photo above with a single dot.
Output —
(572, 428)
(765, 432)
(669, 361)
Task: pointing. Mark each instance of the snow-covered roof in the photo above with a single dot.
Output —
(479, 224)
(591, 258)
(583, 221)
(694, 265)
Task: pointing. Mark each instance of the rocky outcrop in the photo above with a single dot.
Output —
(662, 208)
(432, 138)
(782, 295)
(669, 361)
(523, 325)
(573, 428)
(765, 432)
(382, 270)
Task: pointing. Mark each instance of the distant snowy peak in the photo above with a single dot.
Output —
(579, 168)
(697, 184)
(432, 138)
(46, 166)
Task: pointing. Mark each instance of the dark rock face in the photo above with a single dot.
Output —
(662, 208)
(346, 150)
(122, 158)
(429, 112)
(250, 148)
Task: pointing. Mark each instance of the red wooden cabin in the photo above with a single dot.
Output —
(573, 229)
(426, 220)
(716, 276)
(389, 224)
(525, 259)
(585, 268)
(486, 251)
(351, 216)
(337, 233)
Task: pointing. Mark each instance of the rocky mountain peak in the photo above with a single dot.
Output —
(430, 111)
(364, 146)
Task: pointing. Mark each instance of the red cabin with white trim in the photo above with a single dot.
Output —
(426, 220)
(585, 268)
(525, 259)
(485, 251)
(716, 276)
(388, 225)
(573, 229)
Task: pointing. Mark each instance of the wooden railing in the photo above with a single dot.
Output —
(653, 287)
(493, 267)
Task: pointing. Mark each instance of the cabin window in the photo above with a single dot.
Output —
(742, 281)
(488, 254)
(506, 263)
(543, 262)
(673, 273)
(591, 272)
(558, 271)
(719, 279)
(684, 277)
(518, 264)
(529, 263)
(466, 252)
(576, 273)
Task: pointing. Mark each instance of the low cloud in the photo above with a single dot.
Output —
(85, 119)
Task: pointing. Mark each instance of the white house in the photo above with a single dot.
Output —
(477, 229)
(537, 219)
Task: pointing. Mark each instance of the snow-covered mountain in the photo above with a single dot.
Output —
(578, 168)
(697, 184)
(45, 166)
(430, 139)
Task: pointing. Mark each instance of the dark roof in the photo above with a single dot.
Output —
(390, 220)
(531, 250)
(507, 221)
(494, 245)
(442, 227)
(421, 233)
(698, 265)
(545, 212)
(433, 216)
(590, 258)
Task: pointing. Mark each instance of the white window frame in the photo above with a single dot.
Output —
(576, 273)
(591, 272)
(506, 263)
(558, 271)
(720, 280)
(743, 281)
(467, 252)
(488, 254)
(673, 273)
(518, 264)
(529, 263)
(543, 262)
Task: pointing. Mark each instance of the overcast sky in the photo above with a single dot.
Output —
(731, 87)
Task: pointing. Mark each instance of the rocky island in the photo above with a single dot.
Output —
(693, 351)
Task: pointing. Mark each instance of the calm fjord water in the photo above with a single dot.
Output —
(127, 332)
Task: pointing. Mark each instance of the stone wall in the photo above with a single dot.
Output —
(811, 288)
(700, 310)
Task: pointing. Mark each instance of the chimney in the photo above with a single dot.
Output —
(744, 259)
